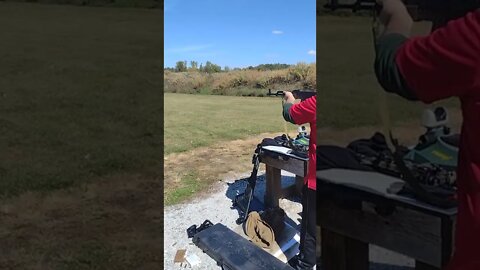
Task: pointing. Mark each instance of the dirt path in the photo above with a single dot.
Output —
(210, 164)
(227, 157)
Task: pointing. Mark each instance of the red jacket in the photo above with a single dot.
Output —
(442, 65)
(302, 113)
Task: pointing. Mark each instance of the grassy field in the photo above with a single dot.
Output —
(79, 94)
(348, 93)
(192, 121)
(80, 137)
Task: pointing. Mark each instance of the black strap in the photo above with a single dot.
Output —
(252, 181)
(192, 230)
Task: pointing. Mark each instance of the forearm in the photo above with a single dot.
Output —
(397, 25)
(286, 112)
(386, 70)
(288, 102)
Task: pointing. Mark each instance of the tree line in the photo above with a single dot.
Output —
(209, 67)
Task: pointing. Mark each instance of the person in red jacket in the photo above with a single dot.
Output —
(444, 64)
(299, 114)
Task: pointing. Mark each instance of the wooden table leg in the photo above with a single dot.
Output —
(299, 182)
(343, 253)
(448, 240)
(424, 266)
(319, 247)
(274, 186)
(447, 231)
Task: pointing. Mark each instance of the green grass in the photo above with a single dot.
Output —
(79, 95)
(349, 94)
(190, 185)
(192, 121)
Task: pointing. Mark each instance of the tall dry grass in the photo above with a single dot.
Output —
(241, 82)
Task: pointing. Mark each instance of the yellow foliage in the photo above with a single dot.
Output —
(300, 75)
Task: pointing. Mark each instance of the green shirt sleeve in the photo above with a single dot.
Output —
(286, 112)
(386, 70)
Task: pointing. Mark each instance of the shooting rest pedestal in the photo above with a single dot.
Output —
(354, 210)
(276, 162)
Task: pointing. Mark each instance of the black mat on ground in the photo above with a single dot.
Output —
(233, 252)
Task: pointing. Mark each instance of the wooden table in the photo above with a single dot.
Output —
(355, 210)
(275, 162)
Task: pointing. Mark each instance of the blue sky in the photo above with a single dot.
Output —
(240, 33)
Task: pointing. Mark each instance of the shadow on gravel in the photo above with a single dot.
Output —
(238, 187)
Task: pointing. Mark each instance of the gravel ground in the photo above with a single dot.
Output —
(216, 207)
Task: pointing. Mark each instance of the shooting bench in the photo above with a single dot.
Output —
(276, 162)
(354, 210)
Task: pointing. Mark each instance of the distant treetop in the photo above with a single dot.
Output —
(271, 66)
(209, 67)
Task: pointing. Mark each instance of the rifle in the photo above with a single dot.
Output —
(358, 5)
(436, 11)
(297, 94)
(439, 11)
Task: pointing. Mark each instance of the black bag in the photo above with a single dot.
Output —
(233, 252)
(330, 156)
(376, 146)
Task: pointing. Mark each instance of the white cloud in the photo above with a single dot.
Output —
(277, 32)
(312, 52)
